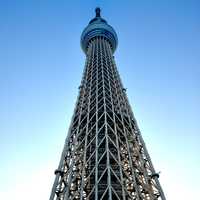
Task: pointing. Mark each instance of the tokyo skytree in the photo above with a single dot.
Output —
(104, 155)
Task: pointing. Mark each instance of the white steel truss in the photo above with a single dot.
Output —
(104, 156)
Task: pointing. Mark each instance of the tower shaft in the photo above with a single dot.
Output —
(104, 156)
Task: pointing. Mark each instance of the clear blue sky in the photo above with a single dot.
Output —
(41, 66)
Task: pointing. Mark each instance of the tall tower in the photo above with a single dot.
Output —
(104, 156)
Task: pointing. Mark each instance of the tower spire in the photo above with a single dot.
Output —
(98, 12)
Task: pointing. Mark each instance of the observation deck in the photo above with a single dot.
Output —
(98, 27)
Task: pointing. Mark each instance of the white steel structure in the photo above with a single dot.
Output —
(104, 156)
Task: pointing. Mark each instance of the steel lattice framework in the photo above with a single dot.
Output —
(104, 156)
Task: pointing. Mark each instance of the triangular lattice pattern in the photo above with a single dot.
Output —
(104, 156)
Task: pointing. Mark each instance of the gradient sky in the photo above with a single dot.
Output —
(41, 66)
